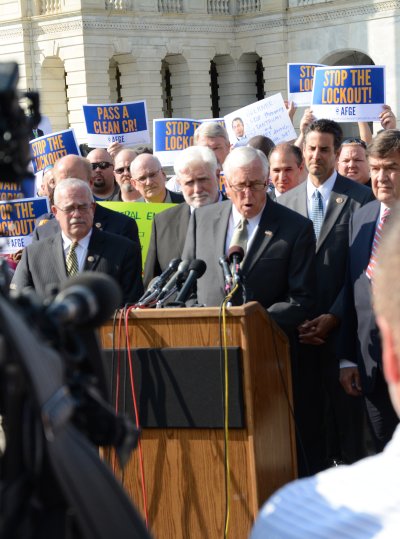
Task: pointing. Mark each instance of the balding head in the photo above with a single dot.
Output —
(148, 177)
(102, 172)
(72, 166)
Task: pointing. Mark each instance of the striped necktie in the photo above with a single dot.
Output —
(71, 260)
(375, 244)
(317, 212)
(240, 235)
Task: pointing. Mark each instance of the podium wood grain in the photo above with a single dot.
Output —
(184, 468)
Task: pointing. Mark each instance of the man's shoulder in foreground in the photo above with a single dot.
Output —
(359, 501)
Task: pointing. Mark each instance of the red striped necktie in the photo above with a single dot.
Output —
(375, 244)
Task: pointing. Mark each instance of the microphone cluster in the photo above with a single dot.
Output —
(231, 267)
(178, 278)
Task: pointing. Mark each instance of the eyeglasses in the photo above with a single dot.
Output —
(355, 140)
(82, 208)
(121, 170)
(241, 187)
(148, 176)
(102, 165)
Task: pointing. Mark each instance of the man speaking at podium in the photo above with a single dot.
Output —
(278, 245)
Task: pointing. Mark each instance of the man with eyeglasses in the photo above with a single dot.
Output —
(122, 174)
(352, 162)
(149, 178)
(104, 184)
(279, 245)
(77, 247)
(328, 419)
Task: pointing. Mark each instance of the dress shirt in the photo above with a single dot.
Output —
(81, 249)
(234, 220)
(360, 501)
(325, 189)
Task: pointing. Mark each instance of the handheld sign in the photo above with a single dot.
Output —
(267, 117)
(125, 123)
(349, 93)
(170, 136)
(48, 149)
(17, 221)
(143, 213)
(300, 83)
(13, 190)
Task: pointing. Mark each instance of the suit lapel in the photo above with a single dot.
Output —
(220, 225)
(95, 249)
(367, 233)
(59, 260)
(337, 202)
(182, 223)
(266, 230)
(299, 200)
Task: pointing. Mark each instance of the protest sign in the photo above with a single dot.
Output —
(125, 123)
(170, 136)
(13, 190)
(48, 149)
(300, 83)
(349, 93)
(17, 221)
(143, 213)
(267, 117)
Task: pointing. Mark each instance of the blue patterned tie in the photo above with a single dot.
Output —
(317, 212)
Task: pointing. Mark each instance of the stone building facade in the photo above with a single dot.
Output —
(187, 58)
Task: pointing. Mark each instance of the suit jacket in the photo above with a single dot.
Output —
(332, 245)
(359, 337)
(104, 219)
(43, 264)
(167, 240)
(278, 267)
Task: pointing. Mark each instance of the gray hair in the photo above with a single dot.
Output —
(193, 156)
(71, 183)
(211, 130)
(242, 157)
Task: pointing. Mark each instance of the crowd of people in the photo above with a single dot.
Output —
(308, 216)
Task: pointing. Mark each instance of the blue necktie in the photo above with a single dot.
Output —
(317, 212)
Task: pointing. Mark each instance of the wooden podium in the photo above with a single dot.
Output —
(184, 467)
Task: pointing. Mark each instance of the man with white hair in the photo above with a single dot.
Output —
(196, 171)
(77, 247)
(278, 244)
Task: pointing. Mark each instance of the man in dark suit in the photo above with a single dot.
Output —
(149, 178)
(329, 199)
(78, 247)
(278, 266)
(74, 166)
(360, 340)
(196, 170)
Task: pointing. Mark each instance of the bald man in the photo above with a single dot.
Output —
(104, 185)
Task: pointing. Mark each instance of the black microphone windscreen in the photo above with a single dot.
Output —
(235, 250)
(105, 290)
(199, 266)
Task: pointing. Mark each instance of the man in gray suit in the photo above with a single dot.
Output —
(278, 266)
(329, 199)
(78, 247)
(196, 170)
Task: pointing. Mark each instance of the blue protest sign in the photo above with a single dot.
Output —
(349, 93)
(125, 123)
(17, 221)
(48, 149)
(171, 135)
(300, 83)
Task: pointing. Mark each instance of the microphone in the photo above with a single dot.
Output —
(158, 282)
(235, 256)
(88, 299)
(196, 270)
(223, 262)
(173, 284)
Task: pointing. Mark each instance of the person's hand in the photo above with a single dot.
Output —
(317, 330)
(307, 119)
(291, 108)
(349, 377)
(114, 148)
(387, 118)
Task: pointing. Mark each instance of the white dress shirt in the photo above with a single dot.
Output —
(81, 249)
(325, 189)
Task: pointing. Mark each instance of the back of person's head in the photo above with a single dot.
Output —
(262, 143)
(243, 157)
(210, 130)
(327, 126)
(195, 155)
(384, 143)
(143, 149)
(72, 166)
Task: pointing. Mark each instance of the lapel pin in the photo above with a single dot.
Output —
(268, 233)
(90, 258)
(339, 200)
(98, 225)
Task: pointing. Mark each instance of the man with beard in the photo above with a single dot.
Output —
(104, 184)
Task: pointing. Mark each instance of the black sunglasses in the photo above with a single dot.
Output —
(102, 165)
(121, 170)
(355, 140)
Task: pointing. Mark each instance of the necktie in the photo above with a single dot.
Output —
(71, 260)
(240, 235)
(375, 244)
(317, 212)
